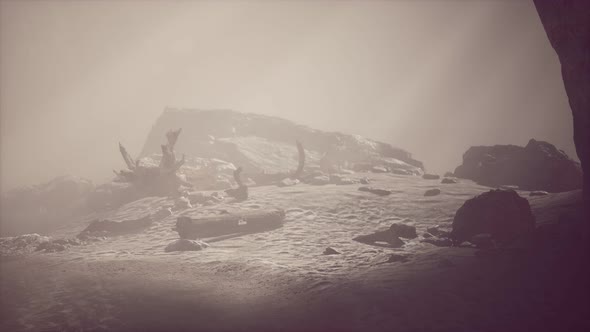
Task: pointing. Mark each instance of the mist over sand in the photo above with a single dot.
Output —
(433, 78)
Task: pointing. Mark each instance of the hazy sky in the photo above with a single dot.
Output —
(432, 77)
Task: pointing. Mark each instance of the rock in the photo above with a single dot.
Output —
(439, 242)
(379, 169)
(380, 192)
(448, 181)
(186, 245)
(568, 29)
(330, 251)
(449, 175)
(537, 166)
(319, 180)
(430, 177)
(394, 258)
(403, 230)
(386, 237)
(538, 193)
(112, 228)
(502, 213)
(261, 143)
(426, 235)
(432, 192)
(287, 182)
(364, 181)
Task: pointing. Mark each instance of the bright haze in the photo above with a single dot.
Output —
(432, 77)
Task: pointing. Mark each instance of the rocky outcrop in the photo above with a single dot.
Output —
(186, 245)
(264, 144)
(501, 213)
(537, 166)
(567, 24)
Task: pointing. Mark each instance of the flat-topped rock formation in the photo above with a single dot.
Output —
(537, 166)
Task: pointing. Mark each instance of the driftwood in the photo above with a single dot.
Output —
(243, 222)
(275, 178)
(160, 180)
(241, 192)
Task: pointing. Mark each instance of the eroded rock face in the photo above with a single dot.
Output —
(261, 144)
(501, 213)
(537, 166)
(567, 24)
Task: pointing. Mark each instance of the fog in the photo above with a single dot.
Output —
(431, 77)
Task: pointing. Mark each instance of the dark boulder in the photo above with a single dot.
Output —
(537, 166)
(384, 238)
(330, 251)
(502, 213)
(186, 245)
(403, 230)
(432, 192)
(379, 192)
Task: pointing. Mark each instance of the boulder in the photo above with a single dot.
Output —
(382, 238)
(432, 192)
(186, 245)
(502, 213)
(430, 177)
(376, 191)
(330, 251)
(403, 230)
(537, 166)
(448, 181)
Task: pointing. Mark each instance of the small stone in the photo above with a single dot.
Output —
(448, 181)
(186, 245)
(364, 181)
(432, 192)
(331, 251)
(380, 192)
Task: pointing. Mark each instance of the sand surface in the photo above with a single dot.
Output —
(279, 280)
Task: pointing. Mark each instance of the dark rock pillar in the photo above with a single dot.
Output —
(567, 24)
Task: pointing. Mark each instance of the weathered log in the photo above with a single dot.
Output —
(239, 222)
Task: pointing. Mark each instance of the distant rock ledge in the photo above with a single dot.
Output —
(537, 166)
